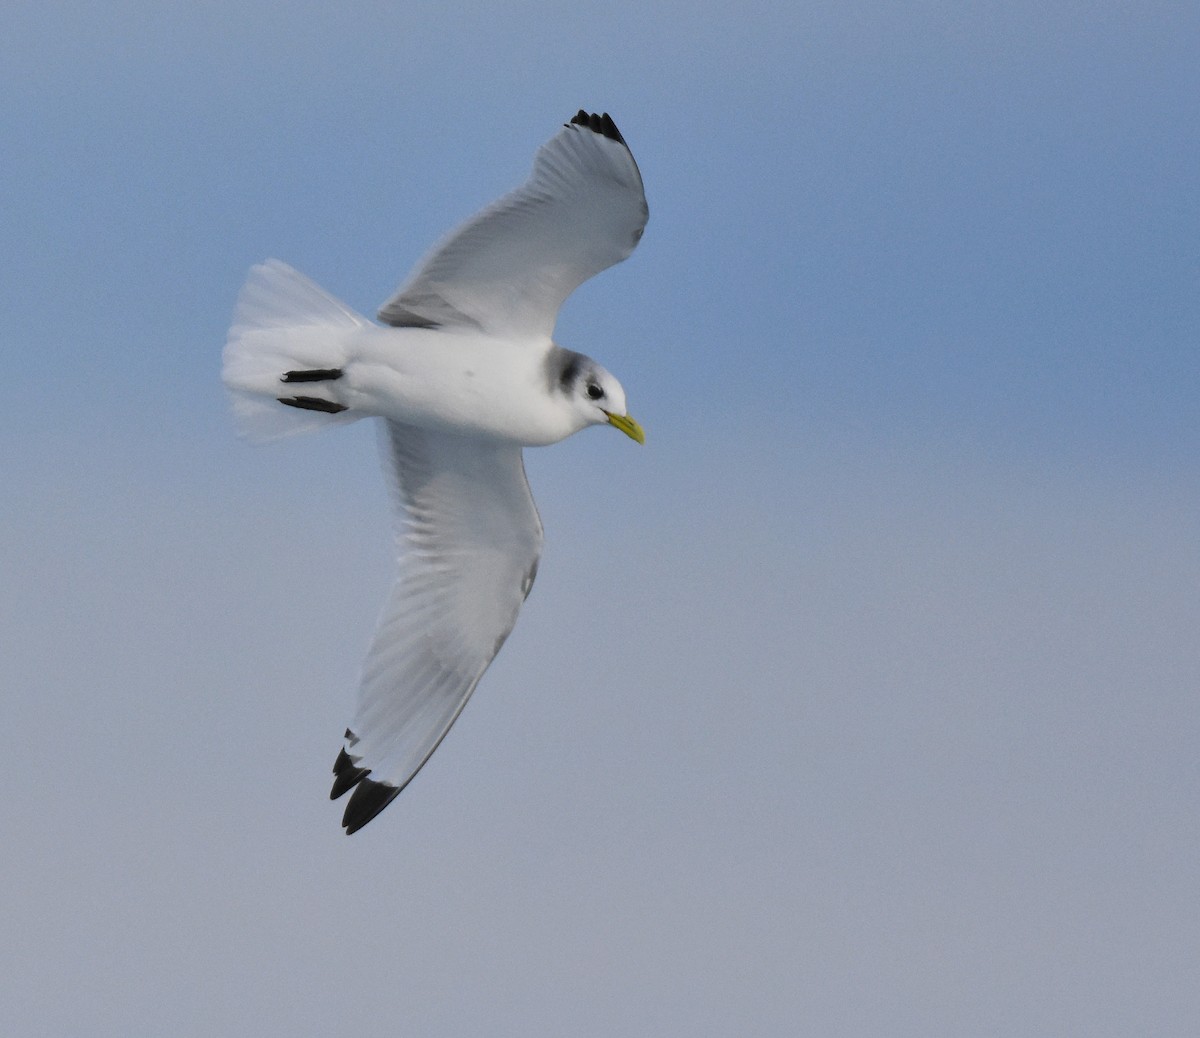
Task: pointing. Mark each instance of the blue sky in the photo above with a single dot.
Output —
(862, 700)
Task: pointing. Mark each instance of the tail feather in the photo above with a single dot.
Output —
(283, 325)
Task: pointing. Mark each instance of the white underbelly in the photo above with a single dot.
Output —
(467, 385)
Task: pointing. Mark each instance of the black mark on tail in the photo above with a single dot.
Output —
(312, 375)
(312, 403)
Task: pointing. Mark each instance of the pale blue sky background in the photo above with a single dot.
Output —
(861, 701)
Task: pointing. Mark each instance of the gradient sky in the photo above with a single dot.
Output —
(863, 700)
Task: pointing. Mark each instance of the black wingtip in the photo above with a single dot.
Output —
(370, 797)
(346, 775)
(601, 124)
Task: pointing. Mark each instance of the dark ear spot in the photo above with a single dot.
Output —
(570, 371)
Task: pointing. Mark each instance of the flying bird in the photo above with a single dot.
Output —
(464, 374)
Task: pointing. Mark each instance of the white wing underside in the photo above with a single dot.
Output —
(507, 270)
(469, 538)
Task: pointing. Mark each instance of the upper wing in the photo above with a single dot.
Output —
(470, 538)
(507, 270)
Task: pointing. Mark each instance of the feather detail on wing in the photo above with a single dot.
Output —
(507, 270)
(469, 538)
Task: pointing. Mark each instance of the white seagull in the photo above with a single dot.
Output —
(464, 374)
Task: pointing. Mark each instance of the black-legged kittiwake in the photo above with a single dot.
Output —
(464, 374)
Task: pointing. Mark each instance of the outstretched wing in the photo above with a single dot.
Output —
(470, 538)
(507, 270)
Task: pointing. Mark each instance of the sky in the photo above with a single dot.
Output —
(861, 700)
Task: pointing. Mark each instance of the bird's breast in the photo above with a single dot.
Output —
(461, 384)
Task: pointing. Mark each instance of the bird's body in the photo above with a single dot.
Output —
(464, 382)
(464, 374)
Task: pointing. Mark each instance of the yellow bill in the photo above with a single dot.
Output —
(627, 425)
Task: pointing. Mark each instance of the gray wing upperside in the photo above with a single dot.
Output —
(507, 270)
(469, 538)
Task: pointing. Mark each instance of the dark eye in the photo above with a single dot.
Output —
(594, 391)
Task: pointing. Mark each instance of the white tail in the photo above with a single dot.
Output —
(282, 322)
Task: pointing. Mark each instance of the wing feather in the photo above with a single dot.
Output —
(507, 270)
(469, 538)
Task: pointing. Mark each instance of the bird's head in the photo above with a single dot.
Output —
(595, 395)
